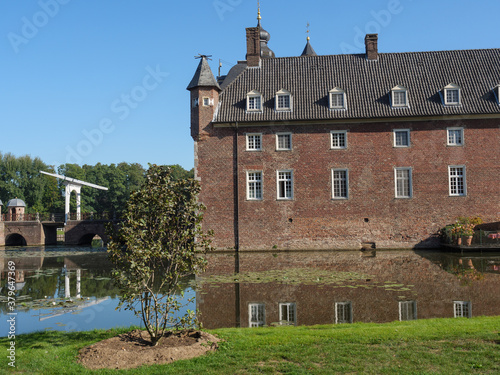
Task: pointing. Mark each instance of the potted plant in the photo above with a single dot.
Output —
(466, 227)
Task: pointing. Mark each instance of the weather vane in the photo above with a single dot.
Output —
(307, 32)
(200, 56)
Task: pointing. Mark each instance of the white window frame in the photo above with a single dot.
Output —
(394, 137)
(337, 91)
(496, 93)
(343, 312)
(278, 135)
(207, 102)
(454, 181)
(344, 133)
(283, 93)
(462, 309)
(255, 186)
(254, 94)
(397, 193)
(405, 307)
(291, 313)
(346, 182)
(452, 87)
(260, 320)
(396, 90)
(451, 141)
(279, 181)
(251, 141)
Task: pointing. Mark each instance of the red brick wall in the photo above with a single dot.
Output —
(312, 220)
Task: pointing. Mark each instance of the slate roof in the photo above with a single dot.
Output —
(16, 203)
(203, 75)
(308, 50)
(367, 85)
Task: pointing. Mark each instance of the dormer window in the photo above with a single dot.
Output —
(452, 94)
(283, 100)
(254, 101)
(496, 91)
(399, 96)
(337, 98)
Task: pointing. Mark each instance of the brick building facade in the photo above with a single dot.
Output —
(337, 151)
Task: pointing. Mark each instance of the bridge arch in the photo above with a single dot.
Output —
(86, 239)
(15, 239)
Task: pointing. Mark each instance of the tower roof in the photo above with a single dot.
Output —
(308, 50)
(16, 203)
(203, 75)
(264, 36)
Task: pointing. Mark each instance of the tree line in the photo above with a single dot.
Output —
(20, 177)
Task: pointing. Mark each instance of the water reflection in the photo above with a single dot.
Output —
(71, 289)
(63, 289)
(305, 288)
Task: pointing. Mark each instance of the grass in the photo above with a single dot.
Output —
(434, 346)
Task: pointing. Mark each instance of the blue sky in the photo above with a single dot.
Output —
(88, 81)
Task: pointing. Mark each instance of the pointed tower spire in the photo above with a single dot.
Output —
(203, 77)
(308, 50)
(258, 14)
(264, 36)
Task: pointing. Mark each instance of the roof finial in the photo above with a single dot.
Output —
(307, 32)
(258, 13)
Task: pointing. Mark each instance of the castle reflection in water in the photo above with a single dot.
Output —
(385, 286)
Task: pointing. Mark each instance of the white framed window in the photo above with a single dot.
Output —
(254, 101)
(283, 100)
(399, 96)
(455, 136)
(403, 182)
(196, 102)
(407, 310)
(452, 94)
(401, 137)
(338, 139)
(462, 309)
(340, 184)
(283, 141)
(288, 313)
(254, 185)
(343, 312)
(254, 141)
(496, 92)
(337, 98)
(208, 102)
(285, 184)
(256, 315)
(456, 175)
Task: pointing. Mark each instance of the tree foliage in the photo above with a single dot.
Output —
(159, 243)
(20, 177)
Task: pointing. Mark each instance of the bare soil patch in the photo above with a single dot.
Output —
(132, 349)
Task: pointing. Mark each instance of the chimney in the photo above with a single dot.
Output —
(253, 46)
(371, 46)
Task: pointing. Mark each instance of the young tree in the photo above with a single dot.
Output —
(159, 242)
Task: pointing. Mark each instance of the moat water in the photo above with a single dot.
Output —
(71, 289)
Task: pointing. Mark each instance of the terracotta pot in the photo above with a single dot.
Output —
(468, 240)
(459, 241)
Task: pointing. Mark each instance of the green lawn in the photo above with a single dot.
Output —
(436, 346)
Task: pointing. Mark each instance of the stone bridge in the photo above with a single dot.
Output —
(33, 232)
